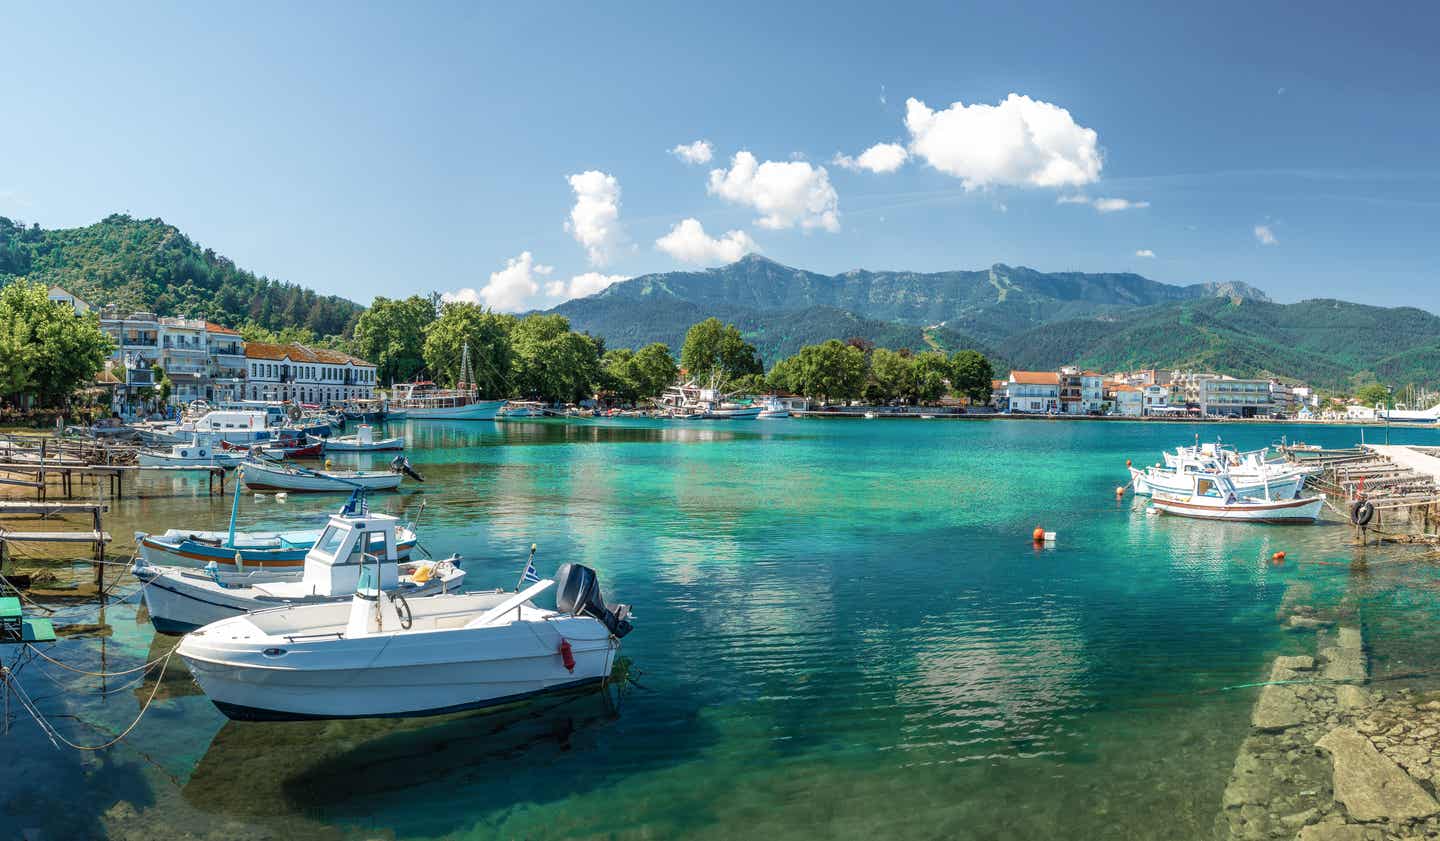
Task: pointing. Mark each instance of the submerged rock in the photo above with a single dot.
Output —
(1278, 708)
(1371, 787)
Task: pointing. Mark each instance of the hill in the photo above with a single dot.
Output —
(146, 264)
(1028, 318)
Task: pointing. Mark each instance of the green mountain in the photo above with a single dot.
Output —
(145, 264)
(1028, 319)
(1325, 342)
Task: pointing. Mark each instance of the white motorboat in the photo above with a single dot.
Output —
(182, 599)
(382, 655)
(1155, 479)
(194, 454)
(363, 441)
(261, 476)
(1214, 498)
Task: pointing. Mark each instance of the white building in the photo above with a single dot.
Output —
(305, 374)
(1092, 391)
(1033, 391)
(1128, 401)
(1236, 398)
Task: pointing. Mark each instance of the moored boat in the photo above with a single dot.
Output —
(180, 599)
(1153, 479)
(383, 655)
(363, 441)
(194, 454)
(1214, 498)
(259, 476)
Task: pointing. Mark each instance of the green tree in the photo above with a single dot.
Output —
(1374, 394)
(655, 370)
(931, 375)
(618, 374)
(971, 375)
(713, 349)
(392, 335)
(831, 370)
(46, 349)
(551, 361)
(892, 376)
(488, 335)
(164, 386)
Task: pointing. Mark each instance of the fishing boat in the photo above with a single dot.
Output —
(422, 400)
(363, 441)
(1153, 479)
(282, 449)
(365, 410)
(181, 599)
(518, 409)
(193, 454)
(1215, 498)
(280, 552)
(689, 401)
(383, 655)
(264, 476)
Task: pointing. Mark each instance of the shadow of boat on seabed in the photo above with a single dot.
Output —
(343, 769)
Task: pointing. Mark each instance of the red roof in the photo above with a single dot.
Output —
(300, 353)
(1035, 377)
(212, 327)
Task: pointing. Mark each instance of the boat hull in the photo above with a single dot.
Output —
(390, 675)
(179, 603)
(338, 446)
(261, 478)
(479, 410)
(1291, 511)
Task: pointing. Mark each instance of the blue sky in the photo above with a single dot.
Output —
(367, 150)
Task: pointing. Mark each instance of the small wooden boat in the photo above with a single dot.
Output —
(521, 409)
(363, 441)
(1215, 498)
(1157, 480)
(262, 476)
(194, 454)
(285, 449)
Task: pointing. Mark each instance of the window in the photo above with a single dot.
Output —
(329, 542)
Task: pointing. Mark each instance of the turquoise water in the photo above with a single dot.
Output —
(843, 630)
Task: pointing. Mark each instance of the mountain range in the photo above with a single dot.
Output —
(1027, 318)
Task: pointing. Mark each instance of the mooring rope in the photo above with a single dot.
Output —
(53, 734)
(79, 671)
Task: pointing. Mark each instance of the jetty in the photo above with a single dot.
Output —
(1401, 484)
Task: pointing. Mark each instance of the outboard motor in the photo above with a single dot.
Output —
(577, 591)
(401, 464)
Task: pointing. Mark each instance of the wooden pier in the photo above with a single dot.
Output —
(1400, 484)
(96, 536)
(39, 475)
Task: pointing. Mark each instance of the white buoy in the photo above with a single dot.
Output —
(259, 497)
(1049, 537)
(281, 497)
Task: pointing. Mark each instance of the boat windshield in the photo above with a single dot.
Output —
(329, 542)
(1206, 487)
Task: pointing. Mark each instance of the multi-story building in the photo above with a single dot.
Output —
(136, 336)
(1092, 391)
(1126, 398)
(185, 357)
(61, 295)
(1070, 390)
(1236, 398)
(1186, 387)
(305, 374)
(1033, 391)
(226, 364)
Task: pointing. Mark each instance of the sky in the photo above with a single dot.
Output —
(522, 154)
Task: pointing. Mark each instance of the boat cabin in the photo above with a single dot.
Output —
(350, 545)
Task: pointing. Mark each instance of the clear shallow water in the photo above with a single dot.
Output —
(843, 630)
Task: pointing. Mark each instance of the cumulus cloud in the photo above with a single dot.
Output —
(1264, 235)
(512, 289)
(1019, 142)
(1103, 205)
(581, 285)
(786, 193)
(699, 152)
(688, 243)
(880, 158)
(595, 218)
(1144, 252)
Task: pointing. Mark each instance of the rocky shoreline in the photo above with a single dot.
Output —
(1329, 758)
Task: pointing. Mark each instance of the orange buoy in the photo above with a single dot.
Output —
(1119, 490)
(1278, 558)
(1039, 534)
(1128, 463)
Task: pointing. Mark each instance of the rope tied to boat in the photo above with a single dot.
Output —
(54, 735)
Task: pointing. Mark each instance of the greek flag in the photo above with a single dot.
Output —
(529, 576)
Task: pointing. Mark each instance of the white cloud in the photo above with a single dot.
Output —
(1103, 205)
(595, 218)
(512, 289)
(786, 193)
(1112, 205)
(1144, 252)
(1020, 142)
(688, 243)
(880, 158)
(1264, 235)
(699, 152)
(581, 285)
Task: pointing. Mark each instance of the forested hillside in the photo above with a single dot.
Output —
(146, 264)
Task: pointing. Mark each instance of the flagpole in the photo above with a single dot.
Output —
(529, 563)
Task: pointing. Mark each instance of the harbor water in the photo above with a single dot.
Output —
(843, 630)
